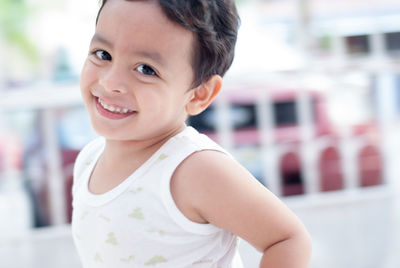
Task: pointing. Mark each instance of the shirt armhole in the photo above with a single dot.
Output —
(172, 209)
(82, 159)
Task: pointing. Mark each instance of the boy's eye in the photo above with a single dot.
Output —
(103, 55)
(145, 69)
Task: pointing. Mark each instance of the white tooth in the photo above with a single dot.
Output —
(113, 109)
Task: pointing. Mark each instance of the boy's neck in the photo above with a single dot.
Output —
(140, 150)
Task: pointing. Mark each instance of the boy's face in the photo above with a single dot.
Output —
(136, 79)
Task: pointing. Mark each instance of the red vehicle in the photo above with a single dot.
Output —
(252, 114)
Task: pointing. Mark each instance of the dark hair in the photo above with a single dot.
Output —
(215, 25)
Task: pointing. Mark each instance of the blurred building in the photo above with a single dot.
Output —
(311, 107)
(334, 76)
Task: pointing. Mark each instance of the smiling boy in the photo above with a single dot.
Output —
(152, 191)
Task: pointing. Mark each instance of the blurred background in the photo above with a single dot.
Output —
(311, 106)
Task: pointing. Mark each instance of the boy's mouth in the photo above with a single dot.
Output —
(114, 109)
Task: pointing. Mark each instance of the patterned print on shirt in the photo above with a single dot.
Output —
(137, 214)
(104, 218)
(84, 214)
(155, 260)
(153, 230)
(111, 239)
(97, 258)
(163, 156)
(136, 191)
(128, 259)
(202, 261)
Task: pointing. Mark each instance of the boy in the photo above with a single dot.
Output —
(154, 192)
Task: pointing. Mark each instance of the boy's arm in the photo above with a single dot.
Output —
(211, 187)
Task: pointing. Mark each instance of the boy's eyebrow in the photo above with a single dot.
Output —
(100, 39)
(147, 54)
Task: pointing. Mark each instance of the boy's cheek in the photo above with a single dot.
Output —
(89, 74)
(84, 73)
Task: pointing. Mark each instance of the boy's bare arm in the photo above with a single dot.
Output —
(211, 187)
(293, 251)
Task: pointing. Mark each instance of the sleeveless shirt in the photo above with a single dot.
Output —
(137, 223)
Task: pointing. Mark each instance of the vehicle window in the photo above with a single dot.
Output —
(243, 116)
(358, 44)
(285, 113)
(205, 121)
(392, 42)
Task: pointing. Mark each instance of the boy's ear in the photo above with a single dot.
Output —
(203, 95)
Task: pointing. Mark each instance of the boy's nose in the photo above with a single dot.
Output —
(113, 81)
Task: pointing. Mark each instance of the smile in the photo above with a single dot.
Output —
(113, 112)
(113, 109)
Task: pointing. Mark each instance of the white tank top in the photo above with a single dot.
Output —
(137, 223)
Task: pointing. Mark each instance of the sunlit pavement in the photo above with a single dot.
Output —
(41, 248)
(53, 247)
(348, 230)
(357, 229)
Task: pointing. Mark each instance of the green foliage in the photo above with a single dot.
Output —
(14, 16)
(325, 42)
(239, 2)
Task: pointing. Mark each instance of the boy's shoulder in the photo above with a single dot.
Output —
(88, 154)
(94, 146)
(203, 179)
(209, 162)
(85, 159)
(208, 157)
(197, 141)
